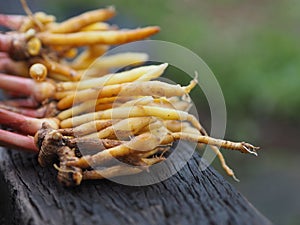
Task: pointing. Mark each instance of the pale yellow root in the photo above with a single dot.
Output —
(61, 78)
(122, 129)
(158, 102)
(114, 78)
(137, 145)
(120, 60)
(224, 165)
(65, 51)
(43, 18)
(56, 68)
(76, 23)
(132, 111)
(90, 127)
(84, 107)
(90, 73)
(184, 131)
(166, 103)
(114, 171)
(190, 134)
(91, 146)
(34, 46)
(149, 88)
(106, 106)
(150, 153)
(152, 161)
(178, 126)
(29, 13)
(87, 57)
(214, 144)
(97, 37)
(69, 53)
(106, 63)
(44, 90)
(239, 146)
(100, 104)
(99, 26)
(153, 73)
(134, 146)
(138, 101)
(89, 106)
(38, 72)
(60, 95)
(180, 103)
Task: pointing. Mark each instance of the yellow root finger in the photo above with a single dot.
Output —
(106, 63)
(102, 107)
(96, 27)
(43, 18)
(115, 78)
(57, 68)
(87, 57)
(165, 102)
(97, 37)
(133, 111)
(224, 165)
(122, 129)
(134, 146)
(38, 72)
(138, 101)
(152, 161)
(92, 146)
(239, 146)
(120, 60)
(88, 128)
(61, 95)
(179, 126)
(149, 88)
(76, 23)
(89, 106)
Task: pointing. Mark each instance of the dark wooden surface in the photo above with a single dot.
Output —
(31, 195)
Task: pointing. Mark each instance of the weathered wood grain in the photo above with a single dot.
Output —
(31, 195)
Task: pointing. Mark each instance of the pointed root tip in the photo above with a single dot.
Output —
(192, 84)
(231, 173)
(164, 66)
(250, 148)
(153, 29)
(235, 178)
(196, 77)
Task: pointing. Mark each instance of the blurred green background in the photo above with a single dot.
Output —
(253, 49)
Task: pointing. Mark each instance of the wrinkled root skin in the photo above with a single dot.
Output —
(53, 147)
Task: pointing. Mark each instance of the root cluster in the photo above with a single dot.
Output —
(87, 122)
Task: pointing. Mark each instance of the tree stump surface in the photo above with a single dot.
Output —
(31, 195)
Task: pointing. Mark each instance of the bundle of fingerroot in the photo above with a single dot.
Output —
(64, 103)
